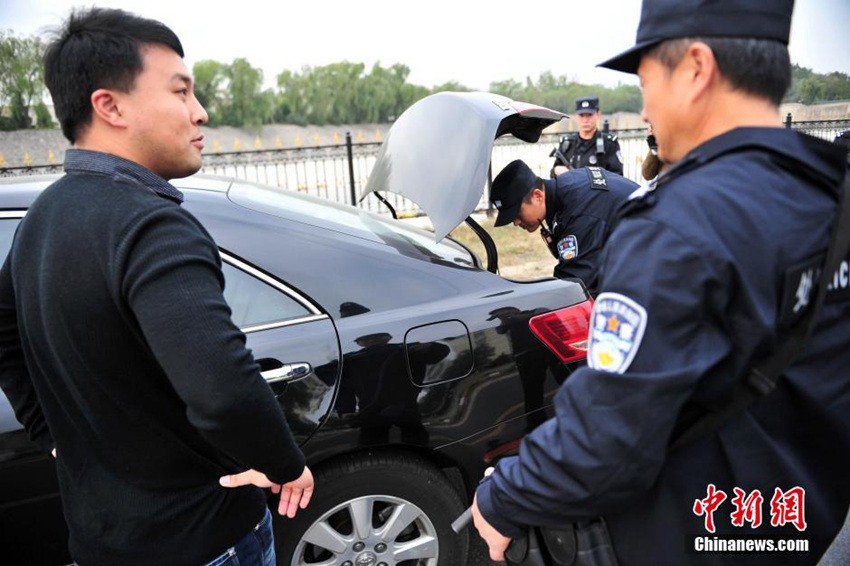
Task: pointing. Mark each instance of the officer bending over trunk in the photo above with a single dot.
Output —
(578, 206)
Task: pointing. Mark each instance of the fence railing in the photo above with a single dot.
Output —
(339, 172)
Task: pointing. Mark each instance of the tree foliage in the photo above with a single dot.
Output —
(344, 93)
(233, 94)
(43, 119)
(209, 84)
(245, 101)
(339, 93)
(560, 93)
(21, 79)
(809, 87)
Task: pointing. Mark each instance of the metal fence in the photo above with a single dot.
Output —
(339, 172)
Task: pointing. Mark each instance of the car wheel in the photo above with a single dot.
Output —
(373, 510)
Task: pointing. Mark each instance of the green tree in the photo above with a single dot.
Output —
(811, 90)
(210, 77)
(21, 78)
(560, 93)
(384, 93)
(345, 93)
(334, 92)
(410, 93)
(43, 119)
(511, 88)
(626, 98)
(836, 86)
(451, 86)
(244, 102)
(291, 104)
(808, 87)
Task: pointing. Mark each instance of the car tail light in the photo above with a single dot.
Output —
(565, 330)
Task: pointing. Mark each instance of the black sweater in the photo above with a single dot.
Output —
(117, 348)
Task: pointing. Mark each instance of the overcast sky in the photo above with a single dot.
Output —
(471, 41)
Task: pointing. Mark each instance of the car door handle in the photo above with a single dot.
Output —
(288, 373)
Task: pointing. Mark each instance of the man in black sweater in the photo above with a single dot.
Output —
(117, 350)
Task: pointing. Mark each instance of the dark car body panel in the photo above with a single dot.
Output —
(438, 352)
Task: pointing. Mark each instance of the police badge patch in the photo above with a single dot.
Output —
(567, 248)
(597, 178)
(617, 326)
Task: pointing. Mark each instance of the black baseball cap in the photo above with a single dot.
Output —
(669, 19)
(509, 188)
(587, 104)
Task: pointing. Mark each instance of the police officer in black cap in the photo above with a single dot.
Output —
(669, 433)
(572, 211)
(589, 146)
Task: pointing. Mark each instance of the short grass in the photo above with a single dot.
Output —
(522, 255)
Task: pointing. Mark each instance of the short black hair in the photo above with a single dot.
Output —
(538, 184)
(761, 67)
(97, 48)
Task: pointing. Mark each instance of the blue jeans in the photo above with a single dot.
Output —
(254, 549)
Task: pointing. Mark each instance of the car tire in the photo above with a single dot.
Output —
(375, 509)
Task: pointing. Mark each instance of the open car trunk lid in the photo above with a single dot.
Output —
(437, 153)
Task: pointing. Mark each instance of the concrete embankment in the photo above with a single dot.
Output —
(41, 147)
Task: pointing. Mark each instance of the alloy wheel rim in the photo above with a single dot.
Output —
(373, 530)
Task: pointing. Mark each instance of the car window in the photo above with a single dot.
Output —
(407, 239)
(7, 234)
(254, 302)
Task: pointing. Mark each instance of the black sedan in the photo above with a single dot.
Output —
(403, 365)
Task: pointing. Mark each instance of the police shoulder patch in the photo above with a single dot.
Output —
(617, 327)
(596, 178)
(799, 289)
(568, 248)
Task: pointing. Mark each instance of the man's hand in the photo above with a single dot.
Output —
(559, 170)
(496, 542)
(293, 495)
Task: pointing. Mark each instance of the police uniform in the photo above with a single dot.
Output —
(843, 140)
(601, 150)
(580, 206)
(699, 280)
